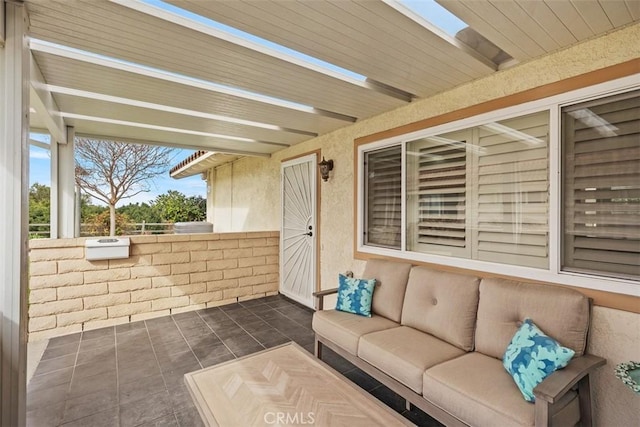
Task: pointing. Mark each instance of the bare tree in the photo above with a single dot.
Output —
(111, 171)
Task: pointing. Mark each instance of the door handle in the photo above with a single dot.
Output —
(309, 234)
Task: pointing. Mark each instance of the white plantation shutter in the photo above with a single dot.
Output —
(438, 194)
(512, 201)
(601, 186)
(384, 197)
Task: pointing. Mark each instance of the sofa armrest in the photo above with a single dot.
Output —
(319, 296)
(562, 380)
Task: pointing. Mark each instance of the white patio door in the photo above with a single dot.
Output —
(298, 229)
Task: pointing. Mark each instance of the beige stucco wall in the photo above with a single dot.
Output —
(260, 194)
(163, 275)
(615, 335)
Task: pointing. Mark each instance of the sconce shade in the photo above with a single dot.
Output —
(325, 167)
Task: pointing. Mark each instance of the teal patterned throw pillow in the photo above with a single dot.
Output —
(355, 295)
(532, 356)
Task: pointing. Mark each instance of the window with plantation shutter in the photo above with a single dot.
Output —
(383, 189)
(535, 191)
(511, 204)
(601, 186)
(437, 194)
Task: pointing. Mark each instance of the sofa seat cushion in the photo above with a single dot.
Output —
(476, 389)
(345, 329)
(404, 353)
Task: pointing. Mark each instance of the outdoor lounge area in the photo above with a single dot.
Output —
(398, 191)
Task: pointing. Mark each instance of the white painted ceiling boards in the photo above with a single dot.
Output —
(169, 73)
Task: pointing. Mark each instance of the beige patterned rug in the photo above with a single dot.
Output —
(284, 386)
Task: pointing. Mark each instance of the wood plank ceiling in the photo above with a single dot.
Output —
(163, 73)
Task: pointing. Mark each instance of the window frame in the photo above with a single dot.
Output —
(553, 274)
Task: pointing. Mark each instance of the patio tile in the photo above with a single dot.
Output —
(364, 380)
(168, 362)
(185, 316)
(127, 327)
(211, 359)
(253, 303)
(46, 416)
(214, 349)
(220, 323)
(166, 421)
(257, 325)
(106, 418)
(149, 408)
(128, 361)
(189, 417)
(269, 335)
(50, 365)
(175, 376)
(97, 355)
(241, 346)
(102, 382)
(65, 339)
(46, 396)
(61, 376)
(171, 347)
(132, 335)
(258, 310)
(105, 341)
(159, 322)
(89, 404)
(230, 332)
(196, 330)
(168, 336)
(106, 366)
(136, 390)
(99, 333)
(275, 342)
(61, 350)
(133, 351)
(137, 372)
(180, 398)
(204, 345)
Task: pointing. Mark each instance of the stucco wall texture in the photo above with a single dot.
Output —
(253, 186)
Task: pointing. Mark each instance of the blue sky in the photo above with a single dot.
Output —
(40, 172)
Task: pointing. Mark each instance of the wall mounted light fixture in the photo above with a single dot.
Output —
(325, 167)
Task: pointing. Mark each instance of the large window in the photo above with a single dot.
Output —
(489, 192)
(601, 186)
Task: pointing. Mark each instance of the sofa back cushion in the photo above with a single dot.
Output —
(391, 283)
(442, 304)
(561, 313)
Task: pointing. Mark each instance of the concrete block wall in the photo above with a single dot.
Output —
(163, 275)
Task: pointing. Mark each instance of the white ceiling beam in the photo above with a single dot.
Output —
(44, 104)
(169, 129)
(403, 9)
(79, 55)
(173, 145)
(170, 109)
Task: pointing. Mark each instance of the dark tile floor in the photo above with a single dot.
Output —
(132, 374)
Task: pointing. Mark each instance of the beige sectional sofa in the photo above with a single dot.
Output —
(437, 339)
